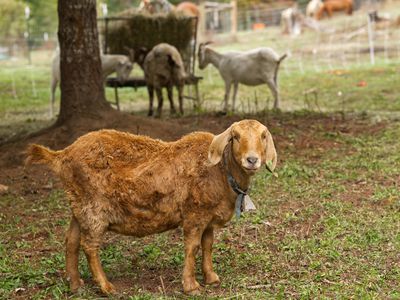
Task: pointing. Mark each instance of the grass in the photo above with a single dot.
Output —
(324, 229)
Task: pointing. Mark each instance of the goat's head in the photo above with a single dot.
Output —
(124, 69)
(251, 146)
(203, 60)
(137, 56)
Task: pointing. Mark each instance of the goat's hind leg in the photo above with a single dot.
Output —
(273, 85)
(91, 241)
(160, 102)
(226, 98)
(235, 89)
(72, 255)
(171, 99)
(150, 90)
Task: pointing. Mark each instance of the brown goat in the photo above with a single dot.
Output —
(330, 6)
(138, 186)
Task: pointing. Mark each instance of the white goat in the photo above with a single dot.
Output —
(254, 67)
(110, 63)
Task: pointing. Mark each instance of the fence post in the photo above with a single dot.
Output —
(28, 33)
(234, 13)
(371, 37)
(202, 23)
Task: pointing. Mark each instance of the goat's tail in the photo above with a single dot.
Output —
(37, 154)
(282, 58)
(277, 67)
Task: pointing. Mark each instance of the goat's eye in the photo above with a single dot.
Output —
(264, 135)
(236, 137)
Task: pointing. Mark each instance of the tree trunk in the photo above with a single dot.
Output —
(82, 88)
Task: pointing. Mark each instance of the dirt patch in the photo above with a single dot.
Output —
(292, 134)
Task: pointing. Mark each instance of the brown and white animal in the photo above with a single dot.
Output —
(110, 63)
(164, 6)
(163, 68)
(252, 68)
(137, 186)
(188, 8)
(331, 6)
(291, 20)
(313, 7)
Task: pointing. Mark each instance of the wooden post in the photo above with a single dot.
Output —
(105, 35)
(371, 38)
(202, 21)
(234, 13)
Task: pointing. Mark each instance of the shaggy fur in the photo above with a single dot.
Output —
(138, 186)
(163, 67)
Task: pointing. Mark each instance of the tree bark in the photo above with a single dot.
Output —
(82, 88)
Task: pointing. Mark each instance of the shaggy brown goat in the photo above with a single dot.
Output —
(138, 186)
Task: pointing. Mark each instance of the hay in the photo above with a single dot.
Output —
(142, 30)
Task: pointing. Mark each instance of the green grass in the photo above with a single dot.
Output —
(325, 229)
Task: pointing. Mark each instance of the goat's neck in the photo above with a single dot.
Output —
(214, 57)
(233, 167)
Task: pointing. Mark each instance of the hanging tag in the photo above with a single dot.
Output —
(248, 205)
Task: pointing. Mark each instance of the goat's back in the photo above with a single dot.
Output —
(109, 151)
(251, 67)
(164, 65)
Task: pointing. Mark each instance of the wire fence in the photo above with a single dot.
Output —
(342, 43)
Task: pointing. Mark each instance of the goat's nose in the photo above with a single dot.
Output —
(252, 160)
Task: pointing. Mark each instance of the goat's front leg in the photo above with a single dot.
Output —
(227, 93)
(210, 277)
(235, 89)
(160, 102)
(150, 90)
(192, 237)
(171, 99)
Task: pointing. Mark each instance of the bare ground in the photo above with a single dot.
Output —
(294, 134)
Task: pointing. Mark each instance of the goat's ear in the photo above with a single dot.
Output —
(271, 156)
(217, 146)
(201, 45)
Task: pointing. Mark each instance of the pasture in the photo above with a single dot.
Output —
(327, 227)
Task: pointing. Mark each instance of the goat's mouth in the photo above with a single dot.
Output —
(251, 169)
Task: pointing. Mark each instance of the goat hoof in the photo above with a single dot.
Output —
(76, 285)
(108, 288)
(192, 288)
(196, 292)
(221, 113)
(150, 113)
(212, 279)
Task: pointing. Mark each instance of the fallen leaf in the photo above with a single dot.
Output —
(3, 189)
(362, 83)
